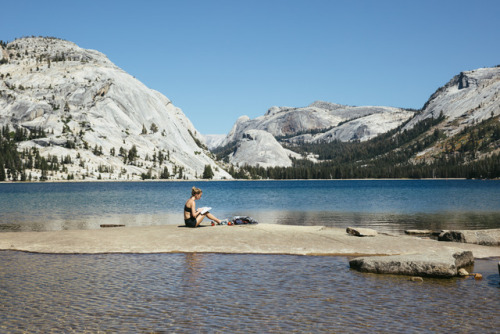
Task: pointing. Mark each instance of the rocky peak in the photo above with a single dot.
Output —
(91, 110)
(469, 97)
(326, 105)
(42, 49)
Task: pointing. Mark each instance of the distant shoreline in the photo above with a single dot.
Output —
(238, 180)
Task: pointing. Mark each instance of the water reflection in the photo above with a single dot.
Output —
(382, 222)
(233, 293)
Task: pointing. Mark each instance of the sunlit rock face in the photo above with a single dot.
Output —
(322, 121)
(83, 102)
(260, 148)
(469, 98)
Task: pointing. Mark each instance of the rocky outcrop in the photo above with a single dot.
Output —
(322, 121)
(468, 98)
(85, 103)
(435, 264)
(260, 148)
(480, 237)
(361, 232)
(318, 122)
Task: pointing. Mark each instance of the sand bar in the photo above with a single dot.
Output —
(250, 239)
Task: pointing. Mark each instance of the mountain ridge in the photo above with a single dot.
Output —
(60, 102)
(469, 98)
(82, 100)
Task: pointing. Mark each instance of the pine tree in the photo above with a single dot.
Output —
(208, 173)
(132, 154)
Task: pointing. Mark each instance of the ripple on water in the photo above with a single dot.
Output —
(246, 293)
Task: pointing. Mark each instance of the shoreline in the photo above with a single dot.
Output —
(268, 239)
(237, 180)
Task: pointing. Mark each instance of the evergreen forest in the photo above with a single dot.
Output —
(394, 155)
(472, 153)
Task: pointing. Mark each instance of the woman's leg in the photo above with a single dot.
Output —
(212, 217)
(199, 219)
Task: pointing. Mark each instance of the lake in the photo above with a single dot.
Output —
(386, 205)
(160, 293)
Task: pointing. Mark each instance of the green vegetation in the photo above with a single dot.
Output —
(208, 172)
(394, 155)
(422, 152)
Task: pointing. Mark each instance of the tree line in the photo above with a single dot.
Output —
(393, 155)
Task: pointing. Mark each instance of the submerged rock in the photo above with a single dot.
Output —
(489, 237)
(422, 232)
(416, 279)
(361, 232)
(436, 264)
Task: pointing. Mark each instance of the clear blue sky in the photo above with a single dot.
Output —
(218, 60)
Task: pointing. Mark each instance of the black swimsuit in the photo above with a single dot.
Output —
(191, 221)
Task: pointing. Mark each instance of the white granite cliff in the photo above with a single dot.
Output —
(80, 97)
(467, 99)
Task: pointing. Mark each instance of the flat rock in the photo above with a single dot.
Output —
(444, 263)
(361, 232)
(489, 237)
(422, 232)
(242, 239)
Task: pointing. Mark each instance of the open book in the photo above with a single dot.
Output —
(204, 209)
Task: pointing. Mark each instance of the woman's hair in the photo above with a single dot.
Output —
(195, 191)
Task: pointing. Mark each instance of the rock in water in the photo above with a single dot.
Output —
(442, 264)
(489, 237)
(361, 232)
(416, 279)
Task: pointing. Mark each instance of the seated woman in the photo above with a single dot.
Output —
(192, 217)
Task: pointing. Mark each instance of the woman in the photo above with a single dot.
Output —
(192, 217)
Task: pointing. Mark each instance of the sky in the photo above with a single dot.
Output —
(218, 60)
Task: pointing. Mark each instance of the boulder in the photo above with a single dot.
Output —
(489, 237)
(361, 232)
(436, 264)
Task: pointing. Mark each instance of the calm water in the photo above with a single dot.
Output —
(389, 206)
(188, 293)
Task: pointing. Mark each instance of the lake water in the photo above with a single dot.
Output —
(388, 206)
(185, 293)
(215, 293)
